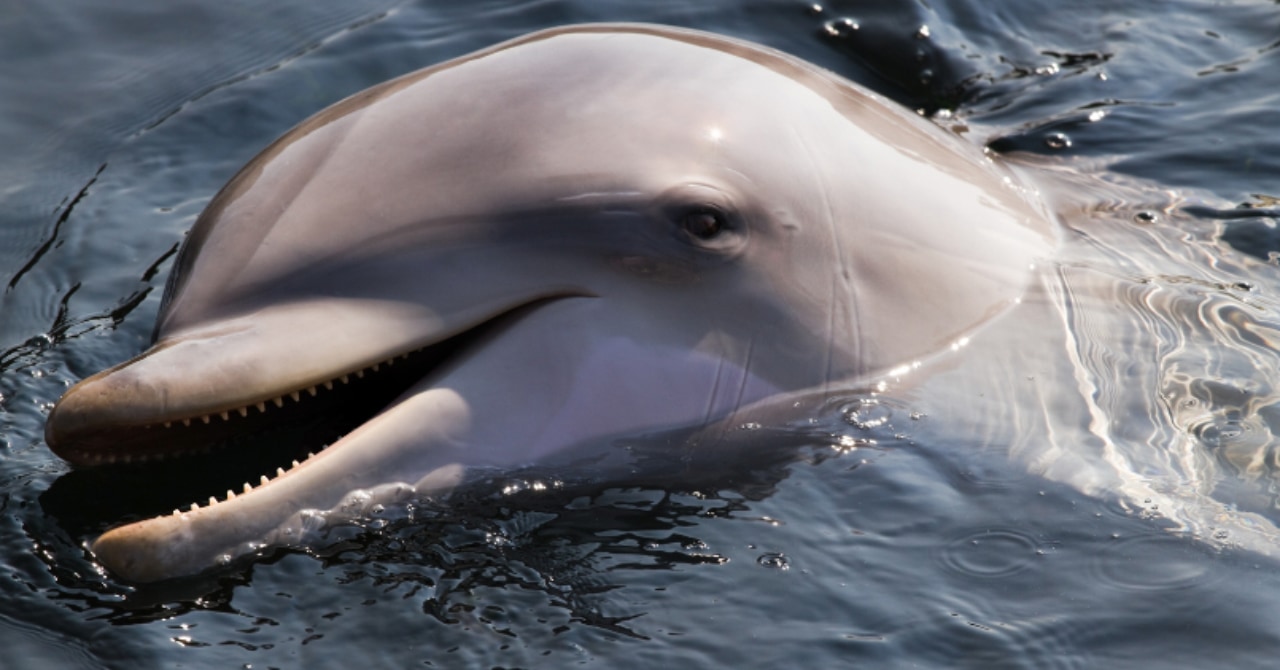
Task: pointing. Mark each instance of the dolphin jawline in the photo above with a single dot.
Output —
(88, 428)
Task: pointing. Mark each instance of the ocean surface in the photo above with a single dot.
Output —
(891, 538)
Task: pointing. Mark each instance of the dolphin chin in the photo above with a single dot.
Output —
(519, 256)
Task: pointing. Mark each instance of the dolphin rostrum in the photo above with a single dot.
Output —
(581, 234)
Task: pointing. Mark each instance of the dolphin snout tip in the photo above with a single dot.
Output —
(70, 418)
(87, 422)
(139, 557)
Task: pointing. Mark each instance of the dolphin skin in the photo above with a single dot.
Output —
(583, 234)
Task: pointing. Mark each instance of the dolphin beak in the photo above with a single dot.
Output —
(207, 387)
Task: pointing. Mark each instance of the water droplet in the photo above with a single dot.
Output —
(40, 342)
(848, 443)
(840, 27)
(1057, 141)
(774, 560)
(922, 33)
(866, 414)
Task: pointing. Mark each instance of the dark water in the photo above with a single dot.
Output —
(118, 122)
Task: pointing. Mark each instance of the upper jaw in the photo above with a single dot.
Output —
(209, 384)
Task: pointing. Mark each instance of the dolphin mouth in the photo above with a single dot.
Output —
(323, 405)
(324, 411)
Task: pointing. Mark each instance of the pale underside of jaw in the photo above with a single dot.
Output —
(355, 473)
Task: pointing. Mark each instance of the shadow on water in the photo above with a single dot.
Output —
(568, 542)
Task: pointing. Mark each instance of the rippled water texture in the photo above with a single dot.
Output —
(1091, 484)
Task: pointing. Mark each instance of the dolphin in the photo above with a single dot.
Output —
(580, 235)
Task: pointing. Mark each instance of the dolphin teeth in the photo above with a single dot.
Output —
(244, 411)
(328, 385)
(359, 374)
(375, 367)
(295, 464)
(346, 379)
(247, 487)
(212, 501)
(279, 401)
(231, 494)
(262, 407)
(186, 422)
(279, 472)
(312, 390)
(168, 424)
(311, 455)
(226, 416)
(263, 480)
(205, 419)
(390, 361)
(177, 512)
(195, 507)
(296, 396)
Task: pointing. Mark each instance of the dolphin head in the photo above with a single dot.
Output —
(583, 233)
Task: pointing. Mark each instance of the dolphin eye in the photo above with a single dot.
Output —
(703, 223)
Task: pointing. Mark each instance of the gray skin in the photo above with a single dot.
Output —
(654, 228)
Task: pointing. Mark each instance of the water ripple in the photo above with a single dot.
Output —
(1156, 562)
(990, 553)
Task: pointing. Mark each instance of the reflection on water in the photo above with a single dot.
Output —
(910, 531)
(1174, 345)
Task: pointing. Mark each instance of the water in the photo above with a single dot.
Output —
(896, 540)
